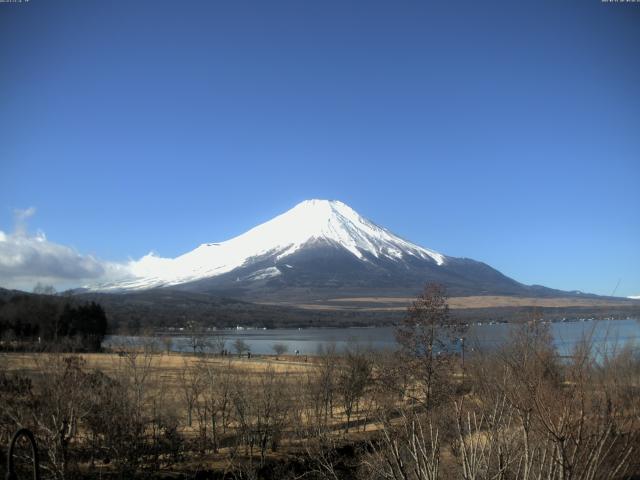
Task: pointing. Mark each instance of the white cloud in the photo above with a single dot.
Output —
(26, 260)
(634, 297)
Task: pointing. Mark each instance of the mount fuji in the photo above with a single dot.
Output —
(318, 249)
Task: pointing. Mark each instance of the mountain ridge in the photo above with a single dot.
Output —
(319, 249)
(308, 222)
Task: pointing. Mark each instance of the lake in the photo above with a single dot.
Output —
(606, 334)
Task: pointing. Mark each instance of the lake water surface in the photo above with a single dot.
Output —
(606, 334)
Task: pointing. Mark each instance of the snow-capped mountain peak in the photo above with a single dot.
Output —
(309, 222)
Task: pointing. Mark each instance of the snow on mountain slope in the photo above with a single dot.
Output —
(308, 222)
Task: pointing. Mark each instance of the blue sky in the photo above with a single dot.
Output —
(507, 132)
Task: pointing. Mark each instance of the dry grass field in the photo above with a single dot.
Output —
(243, 416)
(391, 304)
(167, 367)
(167, 375)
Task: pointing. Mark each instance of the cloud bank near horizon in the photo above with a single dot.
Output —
(27, 260)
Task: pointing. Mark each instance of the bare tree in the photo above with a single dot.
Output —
(216, 392)
(322, 451)
(190, 382)
(425, 337)
(541, 418)
(135, 371)
(114, 427)
(62, 407)
(353, 378)
(197, 339)
(326, 381)
(406, 449)
(279, 349)
(240, 346)
(272, 409)
(217, 342)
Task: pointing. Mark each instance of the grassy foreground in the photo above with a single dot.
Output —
(520, 413)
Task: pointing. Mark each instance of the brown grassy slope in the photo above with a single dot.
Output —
(458, 303)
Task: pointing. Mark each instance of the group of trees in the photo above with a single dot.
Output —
(35, 321)
(83, 416)
(519, 412)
